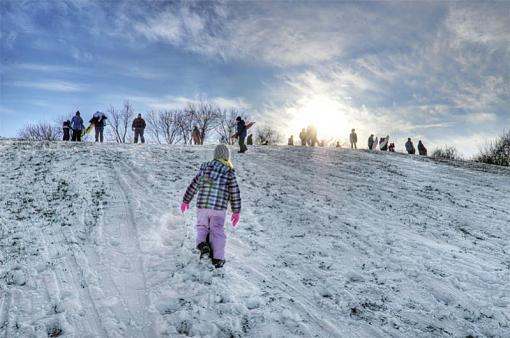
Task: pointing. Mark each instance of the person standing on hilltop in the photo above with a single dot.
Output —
(77, 127)
(291, 140)
(312, 135)
(98, 121)
(421, 149)
(410, 147)
(303, 136)
(353, 137)
(66, 128)
(195, 136)
(138, 126)
(371, 142)
(217, 186)
(241, 133)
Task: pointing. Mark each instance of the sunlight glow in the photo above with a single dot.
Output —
(326, 113)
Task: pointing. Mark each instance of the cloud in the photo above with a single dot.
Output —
(8, 111)
(55, 86)
(481, 118)
(281, 34)
(169, 102)
(47, 68)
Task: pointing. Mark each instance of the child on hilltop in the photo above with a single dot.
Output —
(217, 186)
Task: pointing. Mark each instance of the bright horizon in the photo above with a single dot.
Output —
(434, 71)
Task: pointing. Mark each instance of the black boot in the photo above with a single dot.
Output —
(204, 249)
(218, 263)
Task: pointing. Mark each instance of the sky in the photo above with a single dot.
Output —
(435, 71)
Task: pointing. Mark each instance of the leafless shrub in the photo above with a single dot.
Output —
(120, 120)
(496, 152)
(41, 131)
(446, 153)
(267, 135)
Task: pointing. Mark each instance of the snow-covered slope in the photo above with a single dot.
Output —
(332, 243)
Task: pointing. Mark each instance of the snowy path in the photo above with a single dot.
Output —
(332, 243)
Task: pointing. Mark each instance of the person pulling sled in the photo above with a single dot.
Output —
(216, 185)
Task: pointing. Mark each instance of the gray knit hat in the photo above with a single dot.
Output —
(221, 152)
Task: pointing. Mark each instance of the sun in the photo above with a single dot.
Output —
(324, 112)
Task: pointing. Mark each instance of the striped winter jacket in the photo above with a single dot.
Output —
(217, 185)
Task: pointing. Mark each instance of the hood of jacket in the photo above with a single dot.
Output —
(216, 169)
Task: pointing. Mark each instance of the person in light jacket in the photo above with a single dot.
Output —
(353, 138)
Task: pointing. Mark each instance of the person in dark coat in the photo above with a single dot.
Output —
(98, 121)
(371, 142)
(410, 147)
(391, 148)
(77, 127)
(291, 140)
(241, 133)
(421, 149)
(66, 127)
(249, 140)
(138, 127)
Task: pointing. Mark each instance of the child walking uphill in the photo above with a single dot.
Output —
(217, 186)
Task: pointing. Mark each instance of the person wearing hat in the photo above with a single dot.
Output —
(241, 133)
(217, 186)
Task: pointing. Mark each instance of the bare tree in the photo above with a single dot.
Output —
(120, 120)
(168, 121)
(227, 124)
(153, 126)
(165, 126)
(184, 121)
(41, 131)
(206, 117)
(268, 135)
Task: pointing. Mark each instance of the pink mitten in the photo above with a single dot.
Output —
(184, 207)
(235, 218)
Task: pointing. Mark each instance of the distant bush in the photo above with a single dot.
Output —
(267, 135)
(41, 131)
(446, 153)
(496, 152)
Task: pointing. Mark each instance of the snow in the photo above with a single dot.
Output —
(331, 243)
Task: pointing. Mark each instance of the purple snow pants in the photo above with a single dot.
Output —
(210, 221)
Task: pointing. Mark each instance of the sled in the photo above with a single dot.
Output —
(89, 129)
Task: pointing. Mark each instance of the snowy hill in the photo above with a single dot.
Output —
(331, 243)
